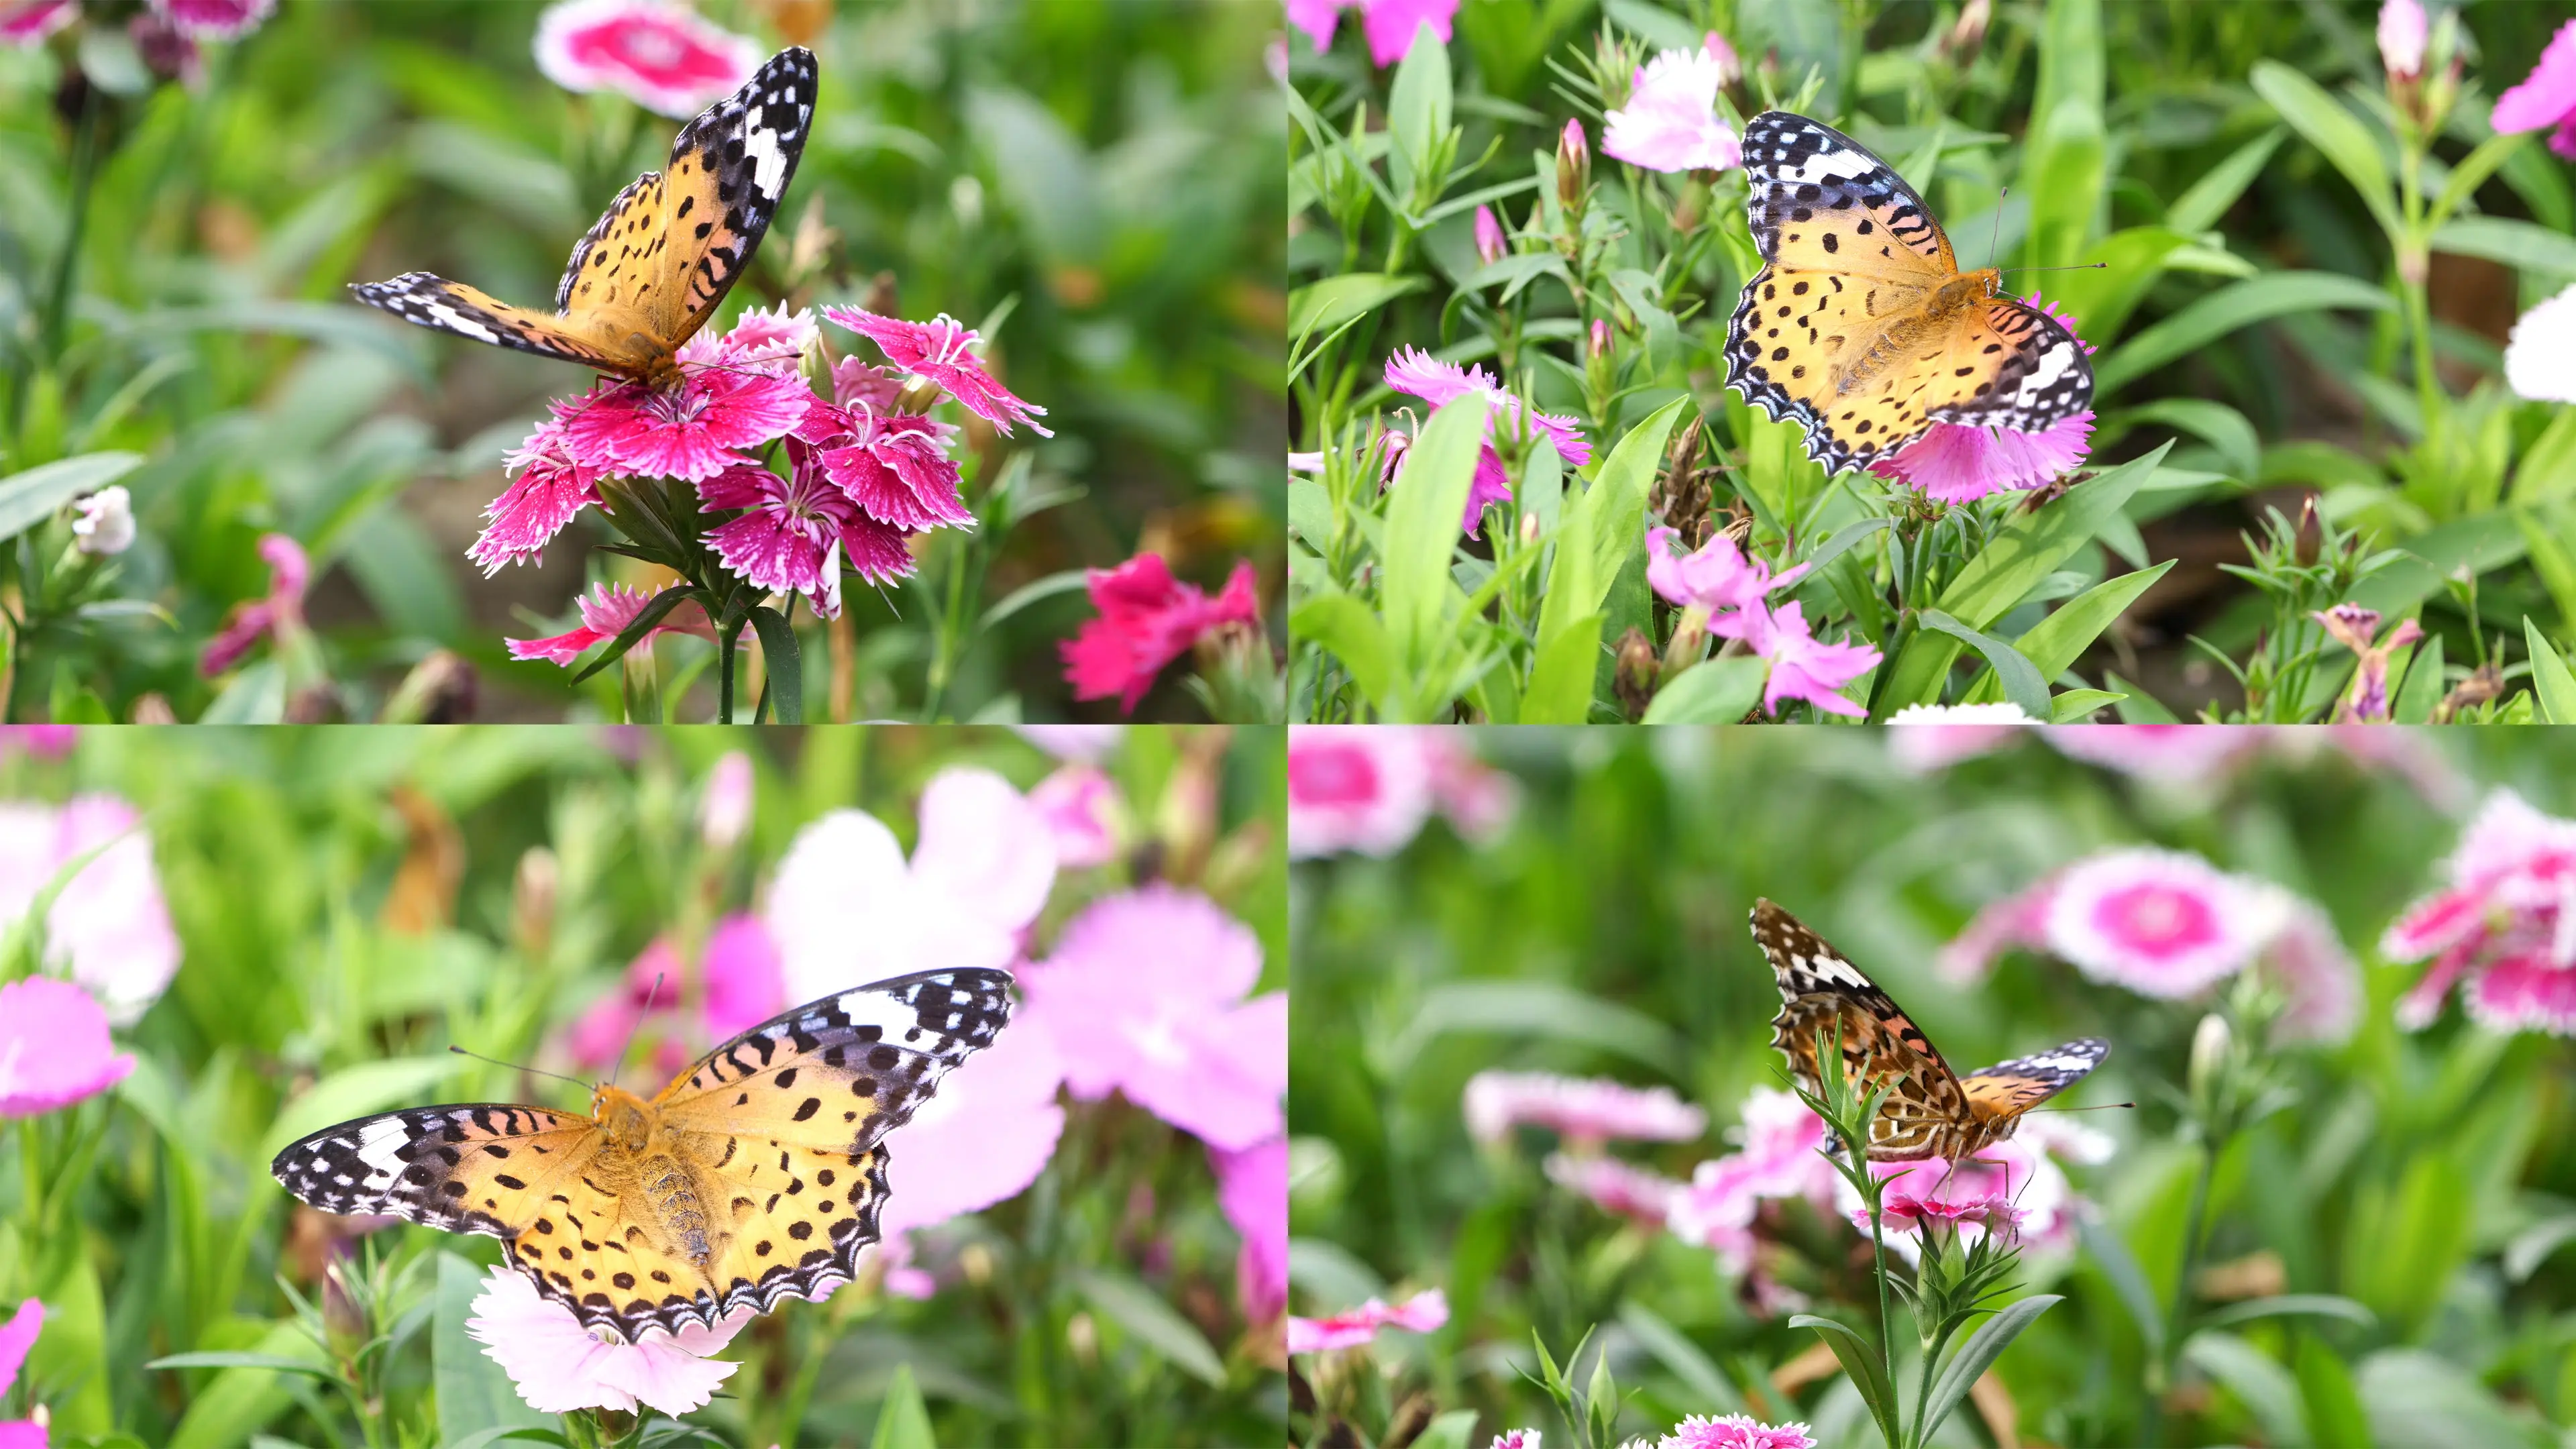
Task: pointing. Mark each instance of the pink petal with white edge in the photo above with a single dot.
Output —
(214, 19)
(661, 56)
(2525, 993)
(27, 22)
(942, 351)
(560, 1368)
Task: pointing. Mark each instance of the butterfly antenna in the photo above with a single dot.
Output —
(2070, 267)
(620, 1060)
(2099, 1107)
(517, 1067)
(1995, 238)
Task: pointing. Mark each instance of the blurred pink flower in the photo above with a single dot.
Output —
(1719, 577)
(1586, 1111)
(2158, 922)
(1516, 1439)
(737, 986)
(2503, 922)
(2176, 753)
(167, 51)
(1355, 787)
(1734, 1431)
(2540, 353)
(941, 351)
(1414, 371)
(2320, 983)
(253, 620)
(2025, 1173)
(1614, 1186)
(2402, 33)
(17, 1337)
(1491, 245)
(1147, 992)
(982, 1140)
(559, 1367)
(1670, 122)
(605, 612)
(1252, 1188)
(661, 56)
(724, 809)
(1082, 811)
(1476, 799)
(1778, 1159)
(1146, 620)
(214, 19)
(44, 741)
(689, 430)
(108, 927)
(1087, 744)
(1802, 667)
(54, 1047)
(1938, 736)
(26, 23)
(1389, 24)
(551, 488)
(2546, 97)
(846, 908)
(1421, 1313)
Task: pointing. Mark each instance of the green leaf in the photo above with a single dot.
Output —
(1533, 1008)
(904, 1421)
(1607, 523)
(2101, 298)
(1449, 1431)
(1417, 112)
(1681, 1357)
(2073, 706)
(1064, 581)
(356, 1091)
(2201, 207)
(2063, 172)
(499, 1434)
(241, 1399)
(1714, 691)
(2242, 304)
(278, 1362)
(1861, 1362)
(2473, 170)
(2266, 1389)
(2139, 707)
(2110, 1252)
(2479, 544)
(783, 679)
(2019, 680)
(474, 1395)
(1422, 516)
(2326, 1390)
(2334, 131)
(1155, 1323)
(1561, 676)
(2310, 1305)
(2054, 644)
(2550, 681)
(2424, 685)
(2522, 245)
(2215, 423)
(1335, 300)
(1972, 1358)
(29, 498)
(1344, 628)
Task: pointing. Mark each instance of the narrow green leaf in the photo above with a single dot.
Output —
(2139, 707)
(2230, 308)
(278, 1362)
(1714, 691)
(2307, 1305)
(1612, 514)
(1155, 1323)
(1533, 1008)
(904, 1420)
(1971, 1359)
(356, 1091)
(2054, 644)
(2215, 423)
(1343, 627)
(1335, 300)
(2550, 681)
(474, 1395)
(1449, 1431)
(2327, 1391)
(2336, 132)
(1681, 1357)
(2019, 680)
(653, 612)
(1861, 1362)
(2208, 199)
(1561, 676)
(2266, 1389)
(2110, 1252)
(2030, 547)
(784, 676)
(2525, 246)
(1422, 520)
(2473, 171)
(1036, 591)
(2073, 706)
(1417, 111)
(29, 498)
(2423, 688)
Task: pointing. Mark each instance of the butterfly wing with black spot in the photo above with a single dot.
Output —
(728, 171)
(1820, 990)
(472, 1168)
(2008, 1089)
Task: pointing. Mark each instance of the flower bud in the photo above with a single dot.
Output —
(1689, 641)
(1600, 338)
(2403, 32)
(105, 525)
(1968, 35)
(724, 813)
(1529, 528)
(1573, 170)
(532, 902)
(2211, 1044)
(342, 1321)
(1730, 66)
(1634, 679)
(1490, 243)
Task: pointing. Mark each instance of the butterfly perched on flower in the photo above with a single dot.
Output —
(671, 245)
(756, 1175)
(1860, 325)
(1929, 1110)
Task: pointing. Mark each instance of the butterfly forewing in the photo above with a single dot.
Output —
(473, 1168)
(728, 170)
(2008, 1089)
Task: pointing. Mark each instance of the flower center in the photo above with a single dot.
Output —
(2158, 919)
(1326, 777)
(650, 47)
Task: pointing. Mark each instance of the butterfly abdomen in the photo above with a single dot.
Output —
(674, 1198)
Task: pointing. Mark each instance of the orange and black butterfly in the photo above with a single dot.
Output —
(654, 269)
(1929, 1110)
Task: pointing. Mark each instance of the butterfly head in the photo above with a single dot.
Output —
(626, 1118)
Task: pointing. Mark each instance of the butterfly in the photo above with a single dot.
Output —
(1860, 324)
(756, 1175)
(671, 245)
(1929, 1111)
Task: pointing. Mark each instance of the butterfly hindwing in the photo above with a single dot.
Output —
(2039, 379)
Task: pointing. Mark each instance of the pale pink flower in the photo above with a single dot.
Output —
(1802, 667)
(214, 19)
(1082, 813)
(773, 342)
(605, 612)
(1491, 247)
(550, 490)
(1614, 1186)
(1252, 1188)
(2540, 356)
(1086, 744)
(1146, 620)
(167, 51)
(1152, 984)
(1476, 799)
(2159, 922)
(45, 741)
(846, 907)
(17, 1337)
(54, 1047)
(26, 23)
(942, 351)
(1670, 122)
(982, 1140)
(1389, 24)
(1421, 1313)
(253, 620)
(689, 429)
(1777, 1159)
(2546, 97)
(724, 811)
(2017, 921)
(1355, 787)
(2176, 754)
(1734, 1431)
(108, 929)
(559, 1367)
(1719, 577)
(1938, 736)
(2319, 981)
(2503, 922)
(679, 1012)
(661, 56)
(2402, 34)
(1414, 371)
(1586, 1111)
(1516, 1439)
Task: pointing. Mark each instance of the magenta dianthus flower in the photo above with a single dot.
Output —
(2502, 928)
(605, 612)
(691, 429)
(1421, 1313)
(1734, 1431)
(661, 56)
(54, 1047)
(1414, 371)
(26, 23)
(942, 351)
(796, 530)
(1389, 24)
(213, 19)
(549, 490)
(253, 620)
(2546, 97)
(1587, 1111)
(1804, 667)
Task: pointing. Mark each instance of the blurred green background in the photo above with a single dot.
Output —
(1604, 935)
(350, 901)
(1105, 175)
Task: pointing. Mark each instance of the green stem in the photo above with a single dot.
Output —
(2161, 1371)
(84, 165)
(731, 636)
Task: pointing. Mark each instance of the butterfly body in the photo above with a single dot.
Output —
(1860, 327)
(655, 266)
(1929, 1111)
(754, 1176)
